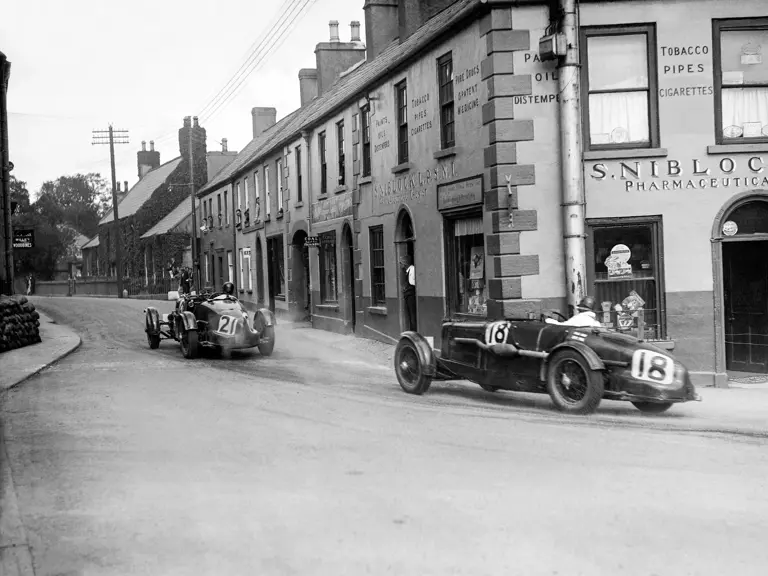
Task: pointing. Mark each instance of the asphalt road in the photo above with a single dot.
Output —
(313, 461)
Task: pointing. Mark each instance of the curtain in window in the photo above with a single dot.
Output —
(745, 105)
(618, 117)
(468, 227)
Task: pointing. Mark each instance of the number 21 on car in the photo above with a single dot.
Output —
(227, 325)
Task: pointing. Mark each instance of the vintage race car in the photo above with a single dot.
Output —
(577, 367)
(217, 321)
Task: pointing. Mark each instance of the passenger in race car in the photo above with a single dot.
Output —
(585, 315)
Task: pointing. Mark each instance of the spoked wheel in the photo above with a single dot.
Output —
(152, 339)
(653, 407)
(573, 386)
(267, 347)
(409, 368)
(189, 344)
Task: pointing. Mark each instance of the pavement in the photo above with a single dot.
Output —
(125, 460)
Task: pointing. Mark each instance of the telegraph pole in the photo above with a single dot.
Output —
(108, 137)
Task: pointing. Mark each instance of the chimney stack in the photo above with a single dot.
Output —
(381, 25)
(223, 144)
(307, 85)
(126, 185)
(335, 57)
(414, 13)
(334, 26)
(263, 119)
(118, 188)
(192, 140)
(147, 160)
(354, 27)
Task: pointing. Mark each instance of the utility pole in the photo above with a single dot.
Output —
(571, 158)
(108, 137)
(195, 263)
(5, 167)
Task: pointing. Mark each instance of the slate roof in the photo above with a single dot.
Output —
(92, 243)
(142, 190)
(173, 219)
(81, 240)
(346, 89)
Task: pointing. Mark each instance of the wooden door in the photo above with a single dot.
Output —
(745, 271)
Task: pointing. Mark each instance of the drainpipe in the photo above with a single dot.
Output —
(5, 73)
(571, 159)
(307, 154)
(239, 283)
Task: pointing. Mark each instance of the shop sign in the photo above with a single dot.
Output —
(24, 238)
(413, 187)
(312, 241)
(337, 206)
(618, 262)
(247, 251)
(730, 228)
(462, 193)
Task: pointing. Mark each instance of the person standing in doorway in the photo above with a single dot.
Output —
(409, 292)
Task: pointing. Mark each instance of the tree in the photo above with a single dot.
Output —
(79, 201)
(19, 195)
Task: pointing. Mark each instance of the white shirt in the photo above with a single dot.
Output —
(586, 318)
(411, 271)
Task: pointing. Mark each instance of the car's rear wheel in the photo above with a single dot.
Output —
(152, 339)
(573, 386)
(189, 344)
(409, 368)
(653, 407)
(266, 348)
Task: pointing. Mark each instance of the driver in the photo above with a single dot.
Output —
(585, 314)
(227, 291)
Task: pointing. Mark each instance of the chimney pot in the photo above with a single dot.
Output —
(355, 28)
(194, 119)
(334, 26)
(223, 144)
(126, 186)
(152, 145)
(187, 121)
(118, 188)
(143, 145)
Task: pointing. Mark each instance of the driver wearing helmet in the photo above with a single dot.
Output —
(585, 314)
(227, 291)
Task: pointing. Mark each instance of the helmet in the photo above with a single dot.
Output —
(228, 288)
(586, 303)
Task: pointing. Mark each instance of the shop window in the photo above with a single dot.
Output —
(323, 163)
(366, 139)
(340, 142)
(625, 266)
(620, 95)
(445, 80)
(467, 286)
(376, 241)
(401, 92)
(741, 80)
(299, 190)
(328, 289)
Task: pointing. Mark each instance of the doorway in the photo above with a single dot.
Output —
(300, 275)
(348, 259)
(405, 247)
(259, 273)
(745, 295)
(221, 272)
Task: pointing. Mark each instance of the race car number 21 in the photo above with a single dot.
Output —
(652, 367)
(227, 325)
(496, 333)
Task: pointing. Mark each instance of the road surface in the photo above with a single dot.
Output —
(313, 461)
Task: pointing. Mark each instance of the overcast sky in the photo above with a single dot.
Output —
(142, 65)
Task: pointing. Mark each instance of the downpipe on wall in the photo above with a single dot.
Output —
(571, 158)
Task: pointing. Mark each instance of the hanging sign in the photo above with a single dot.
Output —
(312, 241)
(730, 228)
(618, 262)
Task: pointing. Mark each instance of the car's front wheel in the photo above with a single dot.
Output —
(189, 344)
(266, 348)
(653, 407)
(409, 368)
(152, 339)
(573, 386)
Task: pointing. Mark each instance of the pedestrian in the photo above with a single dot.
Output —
(409, 292)
(29, 284)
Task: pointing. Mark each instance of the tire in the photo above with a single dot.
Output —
(409, 369)
(489, 388)
(566, 367)
(189, 347)
(653, 407)
(267, 348)
(152, 339)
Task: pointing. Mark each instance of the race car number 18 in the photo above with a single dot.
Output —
(652, 367)
(227, 325)
(497, 333)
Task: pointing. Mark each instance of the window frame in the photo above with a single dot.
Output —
(279, 177)
(325, 298)
(299, 191)
(245, 194)
(242, 271)
(365, 139)
(267, 195)
(401, 115)
(445, 105)
(340, 151)
(656, 224)
(218, 202)
(378, 231)
(323, 152)
(649, 29)
(720, 25)
(451, 269)
(226, 207)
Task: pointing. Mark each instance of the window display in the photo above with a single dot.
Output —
(468, 286)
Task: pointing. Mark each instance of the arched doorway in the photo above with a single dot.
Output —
(300, 275)
(740, 257)
(259, 273)
(405, 249)
(348, 275)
